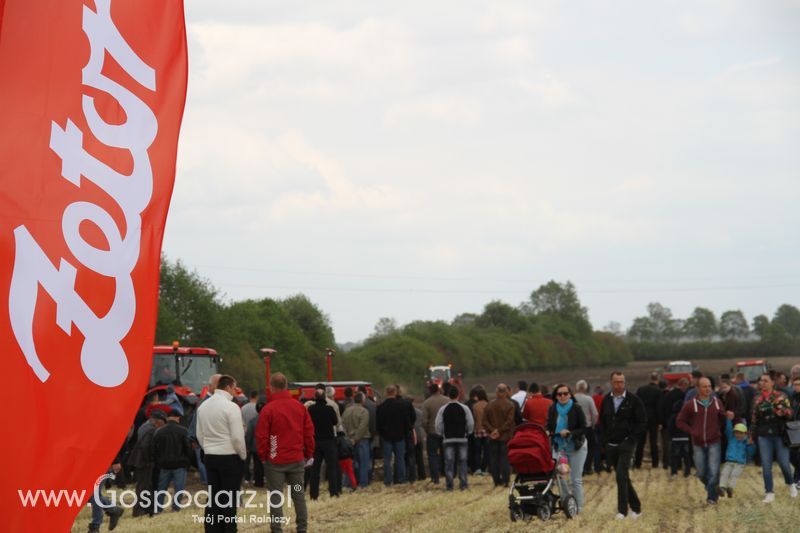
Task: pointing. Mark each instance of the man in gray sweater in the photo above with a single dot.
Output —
(430, 408)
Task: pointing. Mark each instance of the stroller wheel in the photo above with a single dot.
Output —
(516, 514)
(544, 512)
(570, 505)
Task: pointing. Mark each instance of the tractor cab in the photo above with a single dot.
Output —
(753, 369)
(187, 370)
(439, 374)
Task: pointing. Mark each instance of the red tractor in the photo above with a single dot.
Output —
(676, 370)
(753, 369)
(441, 374)
(186, 370)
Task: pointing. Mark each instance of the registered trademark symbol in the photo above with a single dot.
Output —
(298, 488)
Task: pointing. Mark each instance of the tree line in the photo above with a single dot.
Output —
(659, 335)
(548, 330)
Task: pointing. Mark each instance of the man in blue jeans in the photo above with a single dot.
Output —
(703, 418)
(172, 453)
(393, 423)
(101, 504)
(356, 425)
(454, 422)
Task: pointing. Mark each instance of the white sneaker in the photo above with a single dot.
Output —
(769, 498)
(793, 490)
(634, 516)
(619, 516)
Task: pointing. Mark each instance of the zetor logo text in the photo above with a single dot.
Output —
(102, 358)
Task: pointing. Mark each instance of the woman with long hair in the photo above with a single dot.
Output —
(771, 411)
(566, 424)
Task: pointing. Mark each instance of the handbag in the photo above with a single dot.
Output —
(791, 435)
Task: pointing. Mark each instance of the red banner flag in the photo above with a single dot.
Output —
(91, 100)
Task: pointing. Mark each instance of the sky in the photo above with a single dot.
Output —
(417, 160)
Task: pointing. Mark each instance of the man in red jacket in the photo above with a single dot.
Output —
(285, 440)
(703, 417)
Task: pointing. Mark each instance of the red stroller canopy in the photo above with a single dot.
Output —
(529, 450)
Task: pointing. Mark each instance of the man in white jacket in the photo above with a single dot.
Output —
(220, 433)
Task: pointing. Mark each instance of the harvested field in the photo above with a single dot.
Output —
(636, 373)
(669, 505)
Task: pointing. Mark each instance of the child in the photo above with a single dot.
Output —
(680, 449)
(735, 457)
(345, 449)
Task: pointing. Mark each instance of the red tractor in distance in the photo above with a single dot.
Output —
(441, 374)
(676, 370)
(752, 369)
(186, 369)
(305, 389)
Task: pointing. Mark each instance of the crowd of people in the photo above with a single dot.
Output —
(715, 426)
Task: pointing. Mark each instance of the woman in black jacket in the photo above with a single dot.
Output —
(566, 424)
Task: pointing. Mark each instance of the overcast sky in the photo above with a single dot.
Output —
(417, 160)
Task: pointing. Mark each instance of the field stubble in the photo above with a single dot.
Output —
(669, 505)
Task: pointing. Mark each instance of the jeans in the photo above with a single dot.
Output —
(620, 457)
(99, 506)
(434, 446)
(451, 450)
(707, 462)
(398, 449)
(291, 475)
(224, 482)
(498, 462)
(362, 460)
(679, 453)
(201, 467)
(767, 448)
(177, 476)
(576, 460)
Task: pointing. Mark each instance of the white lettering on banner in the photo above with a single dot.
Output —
(102, 358)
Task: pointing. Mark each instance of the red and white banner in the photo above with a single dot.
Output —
(91, 99)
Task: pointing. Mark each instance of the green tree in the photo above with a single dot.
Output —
(188, 307)
(384, 327)
(702, 324)
(465, 319)
(314, 323)
(733, 325)
(788, 316)
(642, 329)
(559, 300)
(501, 315)
(760, 325)
(657, 326)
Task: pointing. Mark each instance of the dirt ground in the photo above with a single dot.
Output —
(636, 373)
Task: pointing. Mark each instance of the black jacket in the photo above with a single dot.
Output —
(650, 395)
(629, 422)
(324, 418)
(393, 419)
(171, 448)
(576, 423)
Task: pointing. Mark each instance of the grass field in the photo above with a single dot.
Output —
(669, 504)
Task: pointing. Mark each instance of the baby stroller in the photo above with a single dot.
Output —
(537, 490)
